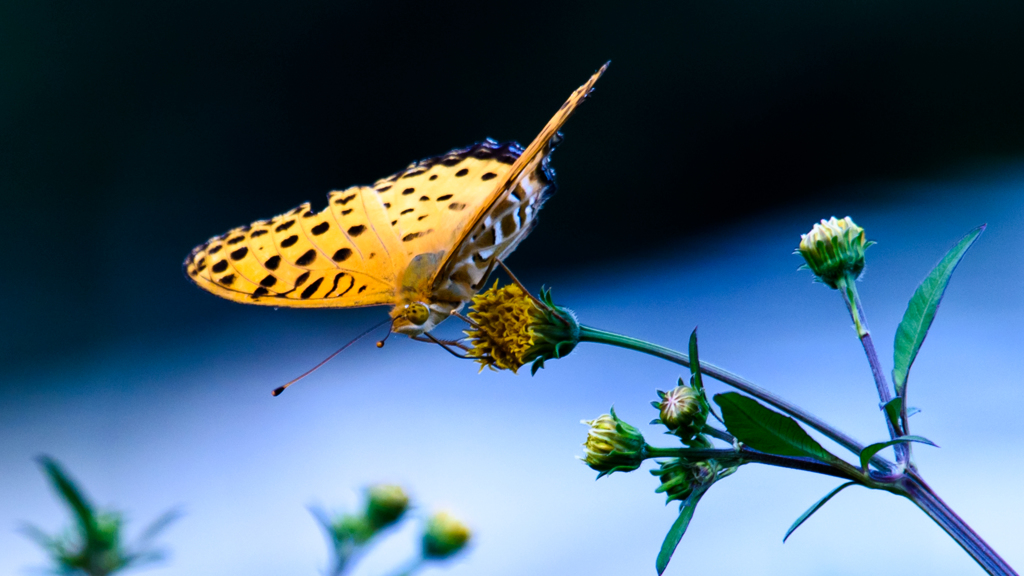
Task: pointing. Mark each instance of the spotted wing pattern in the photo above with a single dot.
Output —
(354, 252)
(331, 258)
(508, 215)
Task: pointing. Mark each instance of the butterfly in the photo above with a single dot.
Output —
(423, 240)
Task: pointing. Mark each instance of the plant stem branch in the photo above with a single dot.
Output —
(730, 457)
(848, 288)
(589, 334)
(918, 492)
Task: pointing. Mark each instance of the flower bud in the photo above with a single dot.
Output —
(679, 478)
(385, 504)
(444, 536)
(834, 249)
(683, 411)
(512, 328)
(612, 445)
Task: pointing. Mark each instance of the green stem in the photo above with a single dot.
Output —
(730, 457)
(848, 288)
(921, 494)
(589, 334)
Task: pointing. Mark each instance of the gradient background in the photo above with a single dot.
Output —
(130, 133)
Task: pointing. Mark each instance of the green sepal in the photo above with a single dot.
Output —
(661, 394)
(766, 430)
(655, 403)
(872, 449)
(922, 308)
(675, 533)
(807, 514)
(657, 421)
(537, 365)
(893, 408)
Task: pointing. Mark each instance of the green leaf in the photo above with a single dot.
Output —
(766, 430)
(697, 383)
(921, 310)
(803, 517)
(871, 450)
(892, 410)
(73, 497)
(675, 533)
(158, 525)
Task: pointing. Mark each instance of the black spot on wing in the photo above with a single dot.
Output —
(347, 199)
(488, 176)
(236, 239)
(289, 241)
(261, 291)
(227, 280)
(408, 191)
(216, 249)
(312, 288)
(307, 258)
(443, 198)
(456, 206)
(240, 253)
(341, 255)
(273, 262)
(220, 266)
(268, 281)
(301, 279)
(320, 228)
(415, 235)
(356, 230)
(257, 233)
(285, 226)
(462, 172)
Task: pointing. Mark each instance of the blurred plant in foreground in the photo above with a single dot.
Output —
(95, 544)
(386, 505)
(510, 328)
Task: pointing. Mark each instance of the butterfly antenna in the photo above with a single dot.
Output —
(279, 389)
(380, 343)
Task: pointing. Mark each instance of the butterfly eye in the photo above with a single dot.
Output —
(417, 313)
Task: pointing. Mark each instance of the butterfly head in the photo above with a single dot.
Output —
(415, 318)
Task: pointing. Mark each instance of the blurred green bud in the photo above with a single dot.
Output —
(679, 478)
(351, 527)
(683, 411)
(444, 536)
(834, 249)
(385, 504)
(612, 445)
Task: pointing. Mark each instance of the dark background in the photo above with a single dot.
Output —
(130, 132)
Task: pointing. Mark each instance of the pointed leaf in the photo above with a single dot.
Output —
(79, 505)
(698, 384)
(675, 533)
(873, 449)
(766, 430)
(921, 310)
(892, 411)
(803, 517)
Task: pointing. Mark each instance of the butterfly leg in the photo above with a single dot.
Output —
(444, 344)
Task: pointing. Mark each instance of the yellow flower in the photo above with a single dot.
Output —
(834, 249)
(512, 328)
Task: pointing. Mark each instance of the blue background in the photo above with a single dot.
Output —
(131, 132)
